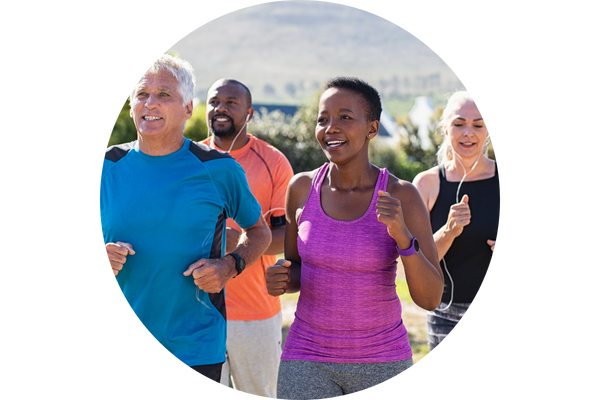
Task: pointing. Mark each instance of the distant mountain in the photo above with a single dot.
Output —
(284, 52)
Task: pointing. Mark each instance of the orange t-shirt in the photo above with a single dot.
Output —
(268, 172)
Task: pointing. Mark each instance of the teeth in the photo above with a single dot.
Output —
(335, 143)
(150, 118)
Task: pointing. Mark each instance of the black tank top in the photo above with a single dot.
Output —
(469, 256)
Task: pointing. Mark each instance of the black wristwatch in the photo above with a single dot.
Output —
(240, 263)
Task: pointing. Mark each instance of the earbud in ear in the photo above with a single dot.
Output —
(247, 117)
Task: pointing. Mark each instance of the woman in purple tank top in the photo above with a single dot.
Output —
(347, 223)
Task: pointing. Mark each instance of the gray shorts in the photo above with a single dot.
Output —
(299, 380)
(253, 353)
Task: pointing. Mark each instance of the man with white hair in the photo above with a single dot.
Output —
(164, 203)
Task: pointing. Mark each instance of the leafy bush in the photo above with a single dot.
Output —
(294, 135)
(124, 130)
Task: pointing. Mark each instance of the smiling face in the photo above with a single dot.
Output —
(157, 107)
(342, 125)
(227, 108)
(466, 130)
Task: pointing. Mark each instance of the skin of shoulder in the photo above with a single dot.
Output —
(403, 190)
(298, 190)
(428, 185)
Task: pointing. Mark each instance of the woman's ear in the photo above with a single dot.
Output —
(445, 131)
(373, 129)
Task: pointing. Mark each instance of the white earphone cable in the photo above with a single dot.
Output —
(465, 173)
(238, 134)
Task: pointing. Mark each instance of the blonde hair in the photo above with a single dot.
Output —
(455, 101)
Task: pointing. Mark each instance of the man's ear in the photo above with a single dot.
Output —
(250, 112)
(189, 109)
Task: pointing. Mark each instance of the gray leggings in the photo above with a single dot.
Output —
(300, 380)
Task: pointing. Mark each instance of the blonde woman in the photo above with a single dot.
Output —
(462, 195)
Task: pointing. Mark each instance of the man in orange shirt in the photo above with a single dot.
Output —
(253, 316)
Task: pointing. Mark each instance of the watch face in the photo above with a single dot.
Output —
(416, 244)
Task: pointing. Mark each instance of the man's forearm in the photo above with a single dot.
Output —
(253, 242)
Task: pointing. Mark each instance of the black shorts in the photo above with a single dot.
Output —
(211, 371)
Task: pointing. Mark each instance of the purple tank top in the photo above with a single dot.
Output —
(348, 310)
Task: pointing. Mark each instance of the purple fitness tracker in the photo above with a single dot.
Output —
(413, 249)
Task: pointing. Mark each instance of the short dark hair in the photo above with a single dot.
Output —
(363, 89)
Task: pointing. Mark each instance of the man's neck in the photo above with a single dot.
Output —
(160, 146)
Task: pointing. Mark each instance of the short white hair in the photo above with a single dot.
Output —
(181, 70)
(455, 101)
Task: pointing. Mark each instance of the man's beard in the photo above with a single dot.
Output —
(222, 132)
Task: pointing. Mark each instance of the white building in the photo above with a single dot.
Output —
(420, 115)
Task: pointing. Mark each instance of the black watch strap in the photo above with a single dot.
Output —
(240, 263)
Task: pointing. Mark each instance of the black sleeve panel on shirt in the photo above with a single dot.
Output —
(116, 152)
(218, 299)
(206, 153)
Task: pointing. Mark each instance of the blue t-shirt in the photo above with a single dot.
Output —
(172, 209)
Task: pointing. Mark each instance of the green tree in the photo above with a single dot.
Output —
(293, 135)
(195, 128)
(412, 145)
(395, 160)
(124, 129)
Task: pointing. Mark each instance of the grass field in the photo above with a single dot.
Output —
(414, 317)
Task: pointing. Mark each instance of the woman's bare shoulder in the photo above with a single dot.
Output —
(302, 179)
(427, 179)
(401, 189)
(299, 187)
(428, 185)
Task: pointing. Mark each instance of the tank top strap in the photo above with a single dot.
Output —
(444, 184)
(442, 172)
(317, 181)
(382, 180)
(313, 201)
(381, 184)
